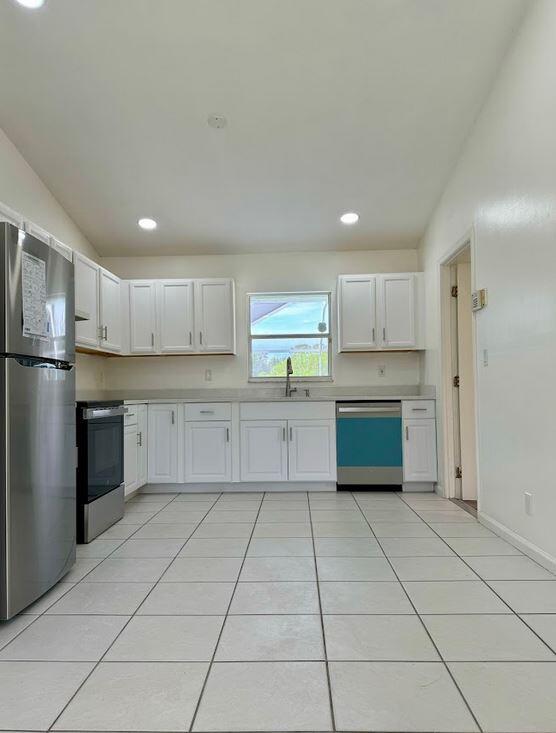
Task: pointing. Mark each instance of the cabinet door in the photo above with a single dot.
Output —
(357, 312)
(264, 451)
(208, 454)
(397, 311)
(215, 315)
(419, 450)
(142, 439)
(110, 312)
(130, 459)
(175, 316)
(312, 450)
(163, 443)
(142, 317)
(86, 301)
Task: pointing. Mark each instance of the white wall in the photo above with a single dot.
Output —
(23, 191)
(505, 185)
(252, 273)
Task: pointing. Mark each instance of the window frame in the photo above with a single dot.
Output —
(251, 338)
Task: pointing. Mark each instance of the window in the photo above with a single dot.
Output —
(295, 325)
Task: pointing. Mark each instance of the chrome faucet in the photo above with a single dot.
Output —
(289, 371)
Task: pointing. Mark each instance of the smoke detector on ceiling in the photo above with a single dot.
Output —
(217, 121)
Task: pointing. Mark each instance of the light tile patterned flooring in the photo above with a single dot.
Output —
(288, 612)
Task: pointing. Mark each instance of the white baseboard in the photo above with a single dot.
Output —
(534, 552)
(418, 486)
(245, 486)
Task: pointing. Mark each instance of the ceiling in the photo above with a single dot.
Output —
(332, 105)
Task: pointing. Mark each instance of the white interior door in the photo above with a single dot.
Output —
(264, 450)
(215, 315)
(312, 450)
(357, 312)
(397, 310)
(110, 312)
(86, 301)
(175, 316)
(142, 317)
(466, 373)
(163, 443)
(208, 453)
(130, 458)
(419, 450)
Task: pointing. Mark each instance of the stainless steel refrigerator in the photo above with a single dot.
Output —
(37, 419)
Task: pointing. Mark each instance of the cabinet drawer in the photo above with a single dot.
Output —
(208, 411)
(418, 408)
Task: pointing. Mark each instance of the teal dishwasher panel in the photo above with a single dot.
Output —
(364, 441)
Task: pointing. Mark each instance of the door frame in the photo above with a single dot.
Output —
(449, 410)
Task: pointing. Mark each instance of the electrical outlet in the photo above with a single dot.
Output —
(208, 375)
(485, 357)
(382, 370)
(528, 496)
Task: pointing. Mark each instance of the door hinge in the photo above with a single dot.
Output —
(459, 472)
(454, 291)
(456, 381)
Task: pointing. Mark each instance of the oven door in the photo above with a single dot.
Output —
(105, 450)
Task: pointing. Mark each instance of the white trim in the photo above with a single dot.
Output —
(243, 486)
(448, 452)
(328, 336)
(531, 550)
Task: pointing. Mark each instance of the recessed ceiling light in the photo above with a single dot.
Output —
(33, 4)
(147, 223)
(350, 217)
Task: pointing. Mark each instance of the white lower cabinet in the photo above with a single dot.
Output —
(142, 446)
(419, 450)
(208, 453)
(163, 443)
(288, 450)
(312, 450)
(130, 459)
(264, 450)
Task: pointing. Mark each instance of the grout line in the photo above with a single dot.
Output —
(327, 666)
(446, 667)
(211, 662)
(493, 590)
(97, 664)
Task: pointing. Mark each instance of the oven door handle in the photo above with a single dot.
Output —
(97, 413)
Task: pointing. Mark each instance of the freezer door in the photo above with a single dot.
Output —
(27, 264)
(37, 500)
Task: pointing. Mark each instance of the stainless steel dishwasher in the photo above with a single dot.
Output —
(369, 443)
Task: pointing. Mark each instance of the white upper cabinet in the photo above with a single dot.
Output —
(86, 301)
(396, 294)
(61, 248)
(142, 316)
(175, 316)
(38, 232)
(378, 312)
(11, 216)
(357, 312)
(215, 315)
(110, 324)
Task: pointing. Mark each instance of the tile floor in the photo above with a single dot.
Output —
(288, 612)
